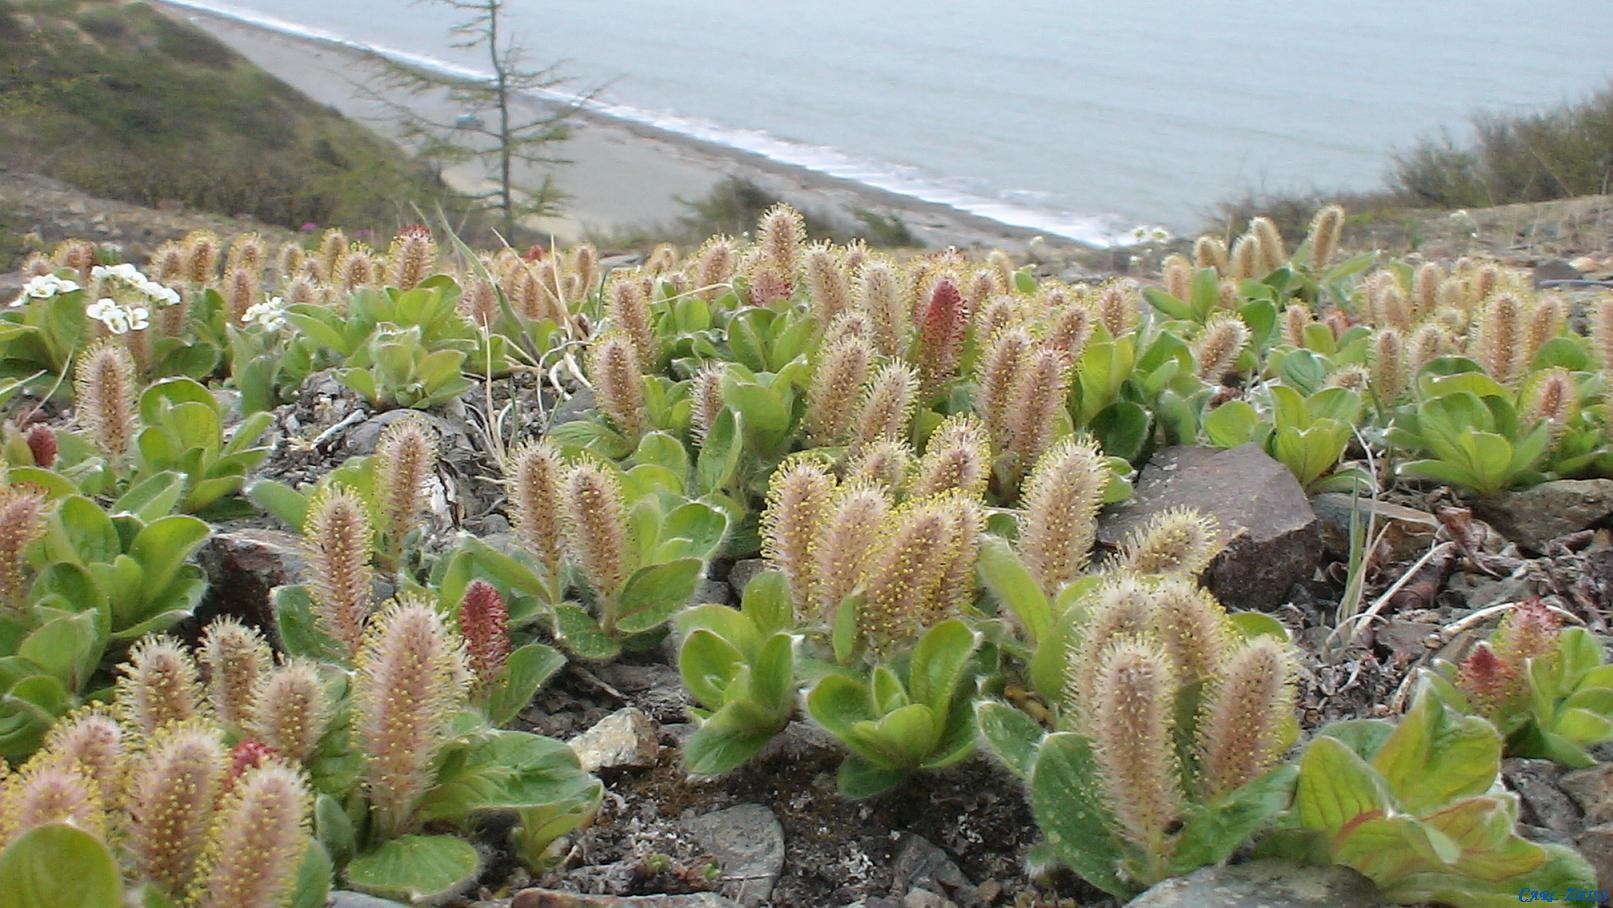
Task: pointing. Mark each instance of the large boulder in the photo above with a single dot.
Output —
(244, 565)
(1271, 537)
(1264, 884)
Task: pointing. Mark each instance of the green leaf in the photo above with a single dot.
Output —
(153, 497)
(312, 886)
(1213, 831)
(526, 670)
(939, 660)
(722, 744)
(719, 453)
(1069, 810)
(505, 770)
(83, 533)
(59, 866)
(284, 503)
(1337, 789)
(1010, 582)
(1009, 734)
(859, 778)
(1437, 756)
(162, 547)
(297, 628)
(708, 663)
(582, 635)
(766, 602)
(652, 594)
(415, 868)
(1122, 429)
(1231, 424)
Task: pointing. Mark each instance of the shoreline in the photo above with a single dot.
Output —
(624, 176)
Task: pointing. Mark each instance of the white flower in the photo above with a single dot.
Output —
(117, 319)
(139, 317)
(43, 287)
(270, 314)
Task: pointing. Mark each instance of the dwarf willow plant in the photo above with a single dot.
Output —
(1546, 688)
(1416, 807)
(1163, 758)
(169, 816)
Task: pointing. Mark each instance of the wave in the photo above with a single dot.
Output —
(910, 182)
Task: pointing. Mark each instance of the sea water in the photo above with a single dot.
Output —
(1072, 117)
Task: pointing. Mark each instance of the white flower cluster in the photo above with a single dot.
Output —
(131, 276)
(43, 287)
(269, 314)
(119, 319)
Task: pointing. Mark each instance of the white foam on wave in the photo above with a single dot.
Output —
(1100, 230)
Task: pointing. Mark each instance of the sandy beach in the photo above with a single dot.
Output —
(622, 175)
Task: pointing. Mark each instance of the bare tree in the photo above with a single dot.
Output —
(508, 120)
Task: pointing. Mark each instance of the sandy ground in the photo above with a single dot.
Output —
(621, 175)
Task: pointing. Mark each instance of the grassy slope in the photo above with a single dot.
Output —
(124, 102)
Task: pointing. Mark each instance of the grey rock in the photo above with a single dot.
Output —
(1555, 270)
(1479, 591)
(1543, 803)
(361, 438)
(924, 898)
(11, 284)
(342, 898)
(922, 864)
(709, 591)
(1533, 517)
(1264, 884)
(549, 898)
(625, 739)
(743, 572)
(1592, 790)
(243, 566)
(1596, 844)
(1272, 537)
(748, 843)
(573, 408)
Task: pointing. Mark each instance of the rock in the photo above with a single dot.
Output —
(1543, 803)
(1478, 591)
(1264, 884)
(1533, 517)
(709, 592)
(549, 898)
(573, 408)
(244, 565)
(625, 739)
(361, 438)
(922, 864)
(1272, 537)
(748, 843)
(743, 572)
(1556, 270)
(1596, 844)
(342, 898)
(1592, 790)
(1407, 532)
(924, 898)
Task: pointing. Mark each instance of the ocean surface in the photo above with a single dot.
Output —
(1071, 117)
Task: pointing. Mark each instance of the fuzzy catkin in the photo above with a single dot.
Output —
(411, 680)
(1324, 235)
(1038, 397)
(799, 497)
(842, 369)
(706, 400)
(904, 575)
(104, 388)
(614, 369)
(1218, 346)
(958, 456)
(534, 475)
(22, 522)
(1241, 731)
(1134, 691)
(885, 412)
(1058, 512)
(595, 516)
(257, 841)
(879, 295)
(235, 657)
(840, 552)
(781, 232)
(158, 684)
(1174, 542)
(337, 539)
(291, 710)
(174, 783)
(406, 457)
(628, 309)
(995, 378)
